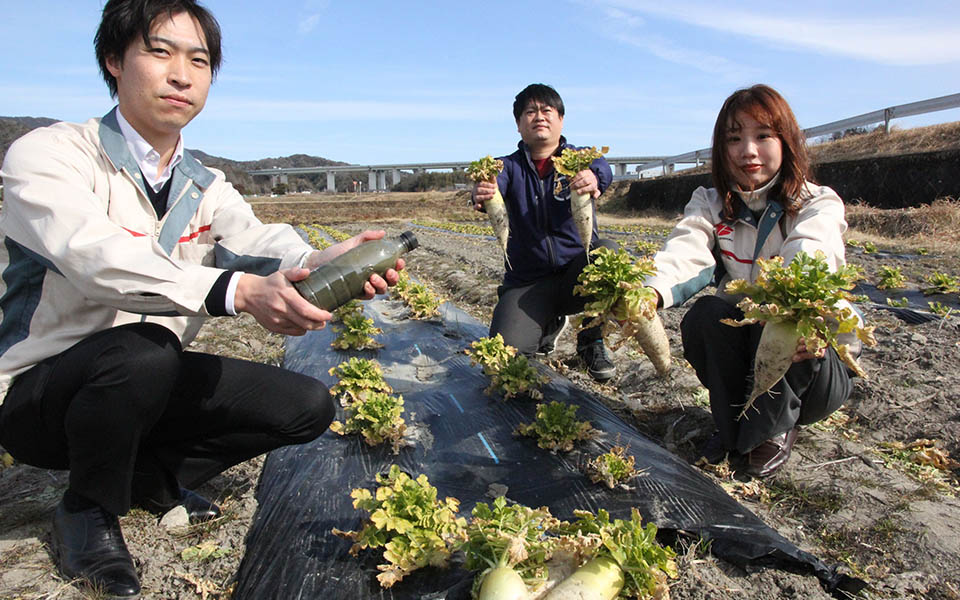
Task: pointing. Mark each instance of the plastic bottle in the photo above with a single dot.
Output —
(341, 280)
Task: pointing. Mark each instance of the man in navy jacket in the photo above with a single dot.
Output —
(545, 254)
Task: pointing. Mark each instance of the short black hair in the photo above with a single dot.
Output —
(540, 93)
(123, 20)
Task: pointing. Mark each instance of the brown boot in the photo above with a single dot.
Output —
(767, 458)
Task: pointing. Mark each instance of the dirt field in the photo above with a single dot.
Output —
(849, 494)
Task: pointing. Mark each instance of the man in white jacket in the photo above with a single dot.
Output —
(116, 245)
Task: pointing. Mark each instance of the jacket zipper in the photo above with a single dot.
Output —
(541, 211)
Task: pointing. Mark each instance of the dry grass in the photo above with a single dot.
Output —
(932, 138)
(935, 227)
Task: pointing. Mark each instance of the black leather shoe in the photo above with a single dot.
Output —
(199, 509)
(597, 360)
(767, 458)
(89, 545)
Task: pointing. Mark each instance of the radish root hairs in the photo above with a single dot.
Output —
(569, 163)
(486, 170)
(803, 300)
(614, 282)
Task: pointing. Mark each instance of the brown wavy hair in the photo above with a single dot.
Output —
(768, 107)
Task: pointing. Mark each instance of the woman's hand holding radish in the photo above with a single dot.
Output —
(803, 354)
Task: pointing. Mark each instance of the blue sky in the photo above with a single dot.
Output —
(403, 82)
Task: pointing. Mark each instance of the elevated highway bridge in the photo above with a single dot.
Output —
(377, 174)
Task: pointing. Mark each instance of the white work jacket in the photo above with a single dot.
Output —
(688, 261)
(83, 249)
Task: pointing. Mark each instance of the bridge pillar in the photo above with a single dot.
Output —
(372, 181)
(395, 177)
(381, 181)
(284, 179)
(274, 180)
(331, 182)
(621, 169)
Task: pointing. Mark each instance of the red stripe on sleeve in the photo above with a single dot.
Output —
(736, 258)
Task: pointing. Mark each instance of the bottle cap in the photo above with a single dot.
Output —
(409, 240)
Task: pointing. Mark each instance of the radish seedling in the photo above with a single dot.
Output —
(407, 520)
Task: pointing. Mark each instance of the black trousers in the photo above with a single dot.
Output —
(723, 359)
(523, 312)
(134, 417)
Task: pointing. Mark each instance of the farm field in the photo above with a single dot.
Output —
(862, 490)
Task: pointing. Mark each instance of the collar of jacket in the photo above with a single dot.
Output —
(526, 151)
(189, 179)
(757, 199)
(116, 148)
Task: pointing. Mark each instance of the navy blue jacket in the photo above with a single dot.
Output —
(543, 236)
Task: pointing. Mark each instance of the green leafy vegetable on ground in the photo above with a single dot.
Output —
(510, 374)
(422, 301)
(941, 283)
(903, 302)
(891, 278)
(556, 427)
(356, 332)
(357, 377)
(376, 418)
(940, 309)
(414, 528)
(612, 468)
(613, 284)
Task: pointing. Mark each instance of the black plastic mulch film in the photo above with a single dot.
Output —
(465, 444)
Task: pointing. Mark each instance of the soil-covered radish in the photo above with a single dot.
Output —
(614, 282)
(803, 300)
(569, 163)
(598, 579)
(509, 545)
(624, 559)
(486, 170)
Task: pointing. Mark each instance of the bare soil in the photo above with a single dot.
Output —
(846, 495)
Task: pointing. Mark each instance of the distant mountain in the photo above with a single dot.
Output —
(13, 127)
(236, 171)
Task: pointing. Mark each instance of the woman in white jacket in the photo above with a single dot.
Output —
(764, 204)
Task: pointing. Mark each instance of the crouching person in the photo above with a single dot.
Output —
(764, 204)
(116, 245)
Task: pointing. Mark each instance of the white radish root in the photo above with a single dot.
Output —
(497, 211)
(598, 579)
(503, 583)
(652, 338)
(581, 206)
(778, 344)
